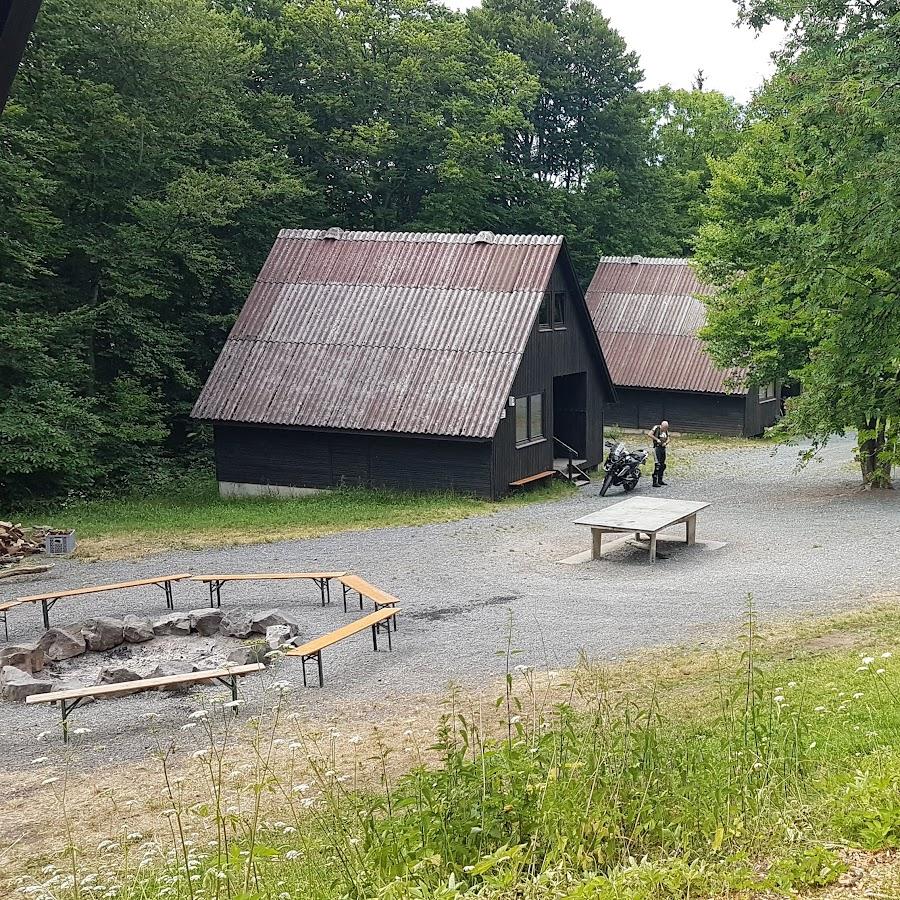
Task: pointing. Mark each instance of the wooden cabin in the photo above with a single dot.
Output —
(421, 362)
(647, 315)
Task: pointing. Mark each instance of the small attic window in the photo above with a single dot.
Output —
(484, 237)
(333, 234)
(635, 260)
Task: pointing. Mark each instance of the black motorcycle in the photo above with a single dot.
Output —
(621, 467)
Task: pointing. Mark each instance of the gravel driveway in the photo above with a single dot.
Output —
(808, 542)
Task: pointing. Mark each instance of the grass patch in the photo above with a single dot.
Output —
(190, 514)
(760, 772)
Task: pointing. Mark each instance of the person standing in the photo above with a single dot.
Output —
(660, 435)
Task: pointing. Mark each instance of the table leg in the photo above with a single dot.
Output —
(691, 530)
(596, 543)
(652, 546)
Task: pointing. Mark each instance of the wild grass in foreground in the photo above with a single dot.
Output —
(572, 791)
(191, 514)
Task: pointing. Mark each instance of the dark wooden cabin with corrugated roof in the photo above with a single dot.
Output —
(647, 314)
(408, 361)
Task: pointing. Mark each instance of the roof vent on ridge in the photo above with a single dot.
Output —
(635, 260)
(484, 237)
(333, 233)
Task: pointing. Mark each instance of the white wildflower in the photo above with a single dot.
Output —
(50, 780)
(868, 660)
(199, 714)
(887, 654)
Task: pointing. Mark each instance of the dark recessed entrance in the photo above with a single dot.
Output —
(570, 412)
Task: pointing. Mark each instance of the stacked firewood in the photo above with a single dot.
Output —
(17, 542)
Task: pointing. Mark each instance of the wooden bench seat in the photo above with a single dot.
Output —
(376, 621)
(532, 478)
(364, 589)
(4, 609)
(48, 599)
(322, 579)
(227, 676)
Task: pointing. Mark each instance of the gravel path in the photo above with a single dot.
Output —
(808, 542)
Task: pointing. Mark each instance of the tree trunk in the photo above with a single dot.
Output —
(874, 460)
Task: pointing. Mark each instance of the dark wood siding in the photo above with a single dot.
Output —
(760, 415)
(294, 457)
(551, 353)
(689, 412)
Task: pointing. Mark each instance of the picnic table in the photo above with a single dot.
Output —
(322, 579)
(49, 599)
(642, 515)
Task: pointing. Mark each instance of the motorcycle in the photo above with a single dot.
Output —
(622, 467)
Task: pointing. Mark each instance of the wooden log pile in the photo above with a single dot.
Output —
(17, 542)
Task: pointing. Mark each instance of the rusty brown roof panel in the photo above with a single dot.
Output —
(414, 333)
(647, 315)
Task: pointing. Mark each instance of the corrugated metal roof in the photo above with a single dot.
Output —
(413, 333)
(647, 316)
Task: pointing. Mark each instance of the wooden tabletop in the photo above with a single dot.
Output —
(143, 683)
(647, 514)
(268, 576)
(96, 588)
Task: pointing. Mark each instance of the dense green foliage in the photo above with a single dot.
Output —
(802, 224)
(746, 778)
(151, 150)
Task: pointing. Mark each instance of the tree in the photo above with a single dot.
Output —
(801, 236)
(142, 185)
(689, 128)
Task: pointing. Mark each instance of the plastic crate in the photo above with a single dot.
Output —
(60, 544)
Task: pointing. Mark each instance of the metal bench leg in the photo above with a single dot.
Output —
(375, 638)
(328, 590)
(66, 709)
(360, 599)
(344, 586)
(170, 600)
(318, 658)
(321, 583)
(211, 604)
(46, 606)
(5, 625)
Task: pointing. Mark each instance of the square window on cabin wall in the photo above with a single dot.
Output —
(553, 310)
(529, 419)
(767, 391)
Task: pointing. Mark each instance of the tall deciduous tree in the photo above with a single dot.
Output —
(802, 231)
(142, 184)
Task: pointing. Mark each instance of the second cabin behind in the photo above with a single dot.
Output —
(407, 361)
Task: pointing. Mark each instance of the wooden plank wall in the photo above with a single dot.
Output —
(294, 457)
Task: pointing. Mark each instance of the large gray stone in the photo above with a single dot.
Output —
(259, 622)
(137, 630)
(177, 623)
(174, 667)
(16, 685)
(236, 623)
(118, 675)
(27, 657)
(251, 652)
(63, 643)
(277, 636)
(103, 633)
(205, 621)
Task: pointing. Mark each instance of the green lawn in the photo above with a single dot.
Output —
(190, 514)
(756, 770)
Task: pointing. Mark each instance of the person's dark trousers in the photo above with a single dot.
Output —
(660, 467)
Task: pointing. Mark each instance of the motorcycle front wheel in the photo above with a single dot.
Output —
(606, 483)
